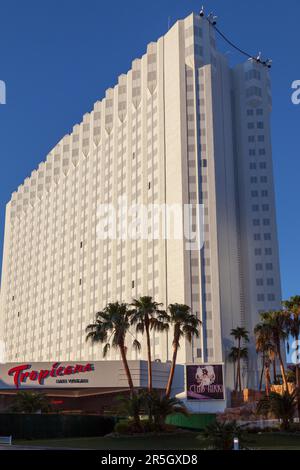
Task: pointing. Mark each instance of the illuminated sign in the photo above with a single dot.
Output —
(23, 373)
(204, 382)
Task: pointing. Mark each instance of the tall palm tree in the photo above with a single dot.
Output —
(234, 356)
(239, 334)
(185, 325)
(275, 320)
(292, 308)
(265, 347)
(111, 327)
(146, 315)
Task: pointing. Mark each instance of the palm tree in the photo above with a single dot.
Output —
(234, 356)
(221, 435)
(111, 327)
(240, 334)
(132, 407)
(276, 322)
(185, 325)
(265, 347)
(146, 315)
(30, 402)
(282, 406)
(292, 307)
(160, 406)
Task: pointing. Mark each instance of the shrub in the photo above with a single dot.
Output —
(281, 406)
(220, 435)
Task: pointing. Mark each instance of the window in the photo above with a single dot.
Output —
(252, 166)
(252, 152)
(263, 165)
(250, 112)
(250, 125)
(260, 281)
(260, 297)
(267, 236)
(269, 266)
(257, 251)
(132, 284)
(263, 179)
(261, 138)
(251, 138)
(253, 91)
(265, 207)
(81, 244)
(271, 297)
(253, 73)
(256, 222)
(253, 179)
(268, 251)
(270, 281)
(264, 193)
(259, 112)
(266, 222)
(255, 207)
(262, 152)
(257, 236)
(260, 125)
(258, 267)
(254, 193)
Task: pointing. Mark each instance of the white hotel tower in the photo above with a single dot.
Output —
(180, 127)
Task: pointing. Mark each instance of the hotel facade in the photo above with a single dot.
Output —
(181, 127)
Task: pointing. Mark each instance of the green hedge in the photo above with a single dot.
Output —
(193, 421)
(42, 426)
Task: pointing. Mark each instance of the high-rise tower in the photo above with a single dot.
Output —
(181, 127)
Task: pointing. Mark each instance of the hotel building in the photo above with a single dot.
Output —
(180, 127)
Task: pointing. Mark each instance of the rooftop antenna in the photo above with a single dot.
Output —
(169, 22)
(212, 19)
(202, 11)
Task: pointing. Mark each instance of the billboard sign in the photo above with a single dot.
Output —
(43, 375)
(205, 382)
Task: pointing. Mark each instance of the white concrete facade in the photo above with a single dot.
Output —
(175, 129)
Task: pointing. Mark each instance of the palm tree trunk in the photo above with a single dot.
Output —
(285, 385)
(274, 370)
(267, 378)
(298, 388)
(262, 373)
(127, 370)
(149, 357)
(239, 365)
(172, 371)
(236, 377)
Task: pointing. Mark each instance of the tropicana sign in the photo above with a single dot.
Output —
(22, 373)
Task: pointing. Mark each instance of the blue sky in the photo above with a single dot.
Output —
(57, 58)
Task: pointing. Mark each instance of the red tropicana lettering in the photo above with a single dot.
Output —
(17, 371)
(57, 370)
